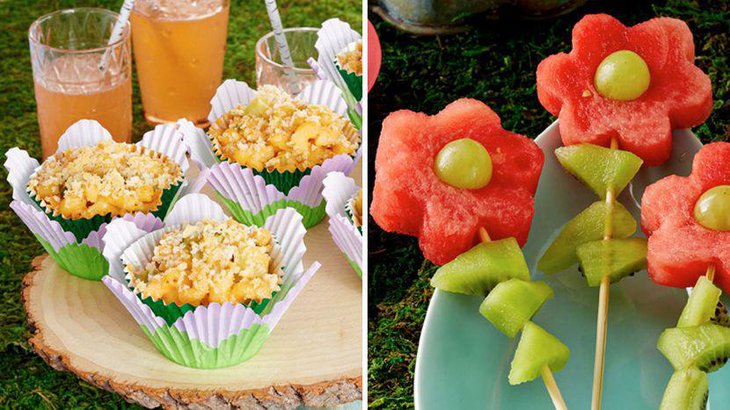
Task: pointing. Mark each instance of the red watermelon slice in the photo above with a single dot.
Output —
(409, 198)
(680, 249)
(679, 94)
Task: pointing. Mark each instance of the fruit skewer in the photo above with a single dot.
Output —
(510, 303)
(618, 86)
(697, 210)
(443, 177)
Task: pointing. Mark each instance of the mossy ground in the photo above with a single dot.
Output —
(26, 381)
(494, 63)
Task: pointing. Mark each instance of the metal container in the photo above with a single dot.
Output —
(447, 16)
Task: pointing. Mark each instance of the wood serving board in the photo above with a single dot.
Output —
(313, 357)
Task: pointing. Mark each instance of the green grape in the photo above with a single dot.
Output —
(712, 210)
(464, 163)
(622, 76)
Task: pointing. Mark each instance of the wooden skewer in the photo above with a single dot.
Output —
(552, 388)
(603, 296)
(545, 372)
(711, 272)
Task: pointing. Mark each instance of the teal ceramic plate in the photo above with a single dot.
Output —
(463, 361)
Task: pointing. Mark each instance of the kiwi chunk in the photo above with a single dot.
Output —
(687, 390)
(481, 268)
(701, 305)
(512, 303)
(598, 167)
(721, 317)
(615, 258)
(705, 347)
(537, 348)
(587, 226)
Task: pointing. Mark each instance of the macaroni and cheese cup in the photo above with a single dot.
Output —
(215, 335)
(347, 235)
(252, 195)
(334, 37)
(75, 244)
(352, 79)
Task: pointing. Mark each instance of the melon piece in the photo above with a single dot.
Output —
(512, 303)
(480, 269)
(615, 258)
(687, 390)
(701, 305)
(587, 226)
(599, 168)
(409, 198)
(537, 348)
(679, 93)
(705, 347)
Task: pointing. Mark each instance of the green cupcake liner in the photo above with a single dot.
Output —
(79, 260)
(283, 181)
(354, 266)
(81, 228)
(177, 346)
(311, 215)
(352, 80)
(171, 312)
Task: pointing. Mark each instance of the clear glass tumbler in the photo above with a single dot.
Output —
(270, 69)
(179, 47)
(67, 48)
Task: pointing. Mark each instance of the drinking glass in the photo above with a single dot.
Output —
(269, 67)
(179, 47)
(67, 48)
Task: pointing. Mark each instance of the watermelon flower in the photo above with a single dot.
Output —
(680, 247)
(645, 105)
(410, 198)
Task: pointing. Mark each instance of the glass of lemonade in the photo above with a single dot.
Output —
(67, 48)
(179, 47)
(271, 70)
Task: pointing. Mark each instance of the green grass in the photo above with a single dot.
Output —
(496, 64)
(26, 381)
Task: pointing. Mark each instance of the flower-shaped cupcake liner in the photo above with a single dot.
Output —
(216, 335)
(76, 244)
(680, 249)
(334, 37)
(679, 94)
(338, 190)
(409, 197)
(250, 195)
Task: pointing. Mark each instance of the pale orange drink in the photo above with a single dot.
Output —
(179, 48)
(71, 83)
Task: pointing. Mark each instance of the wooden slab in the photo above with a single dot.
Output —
(313, 357)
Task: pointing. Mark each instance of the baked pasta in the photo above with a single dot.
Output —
(350, 59)
(278, 132)
(209, 261)
(108, 178)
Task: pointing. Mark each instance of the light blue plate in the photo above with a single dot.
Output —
(463, 361)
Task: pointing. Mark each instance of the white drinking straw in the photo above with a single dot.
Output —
(280, 38)
(117, 30)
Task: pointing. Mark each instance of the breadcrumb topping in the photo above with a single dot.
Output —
(278, 132)
(210, 261)
(108, 178)
(350, 59)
